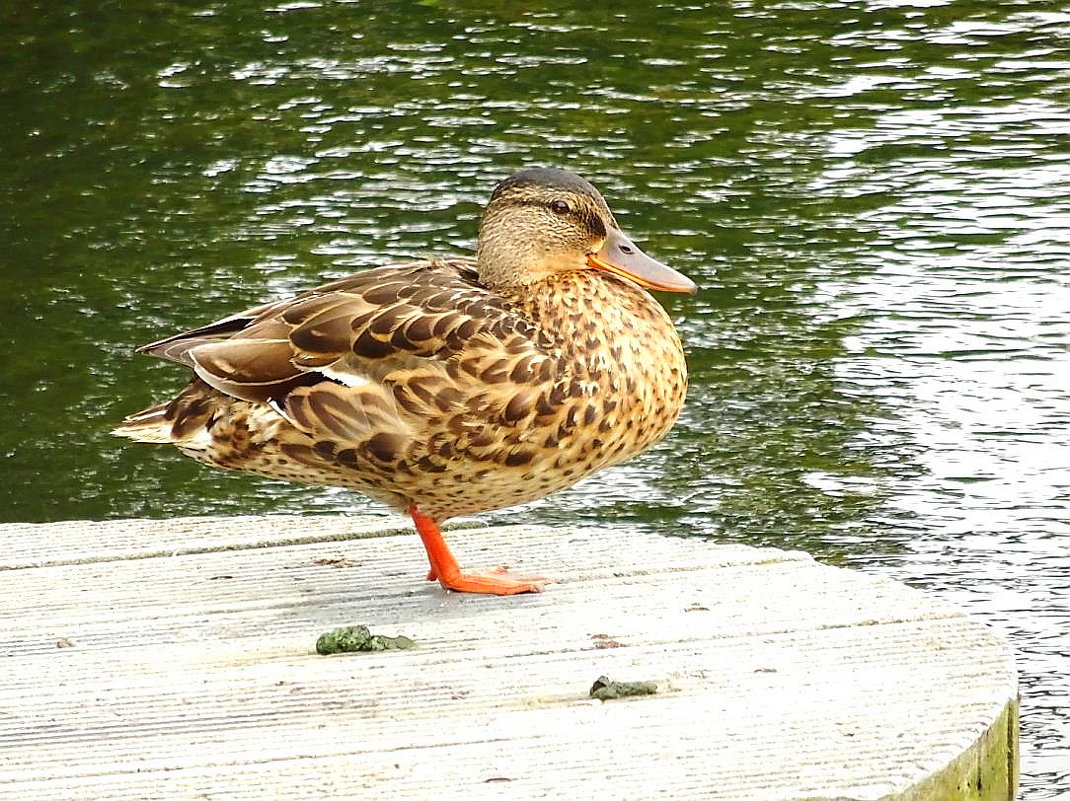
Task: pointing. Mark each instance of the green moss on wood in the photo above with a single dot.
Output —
(350, 639)
(605, 689)
(986, 771)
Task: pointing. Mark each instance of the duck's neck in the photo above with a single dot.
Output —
(507, 264)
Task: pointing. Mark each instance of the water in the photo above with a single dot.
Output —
(873, 196)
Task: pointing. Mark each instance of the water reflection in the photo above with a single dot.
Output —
(873, 196)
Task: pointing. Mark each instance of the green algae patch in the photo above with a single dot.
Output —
(604, 689)
(986, 771)
(352, 639)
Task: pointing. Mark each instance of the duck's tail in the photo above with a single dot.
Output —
(151, 425)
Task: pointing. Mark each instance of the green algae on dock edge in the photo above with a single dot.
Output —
(351, 639)
(604, 689)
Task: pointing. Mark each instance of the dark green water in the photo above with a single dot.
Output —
(874, 197)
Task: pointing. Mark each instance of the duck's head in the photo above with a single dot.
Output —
(543, 221)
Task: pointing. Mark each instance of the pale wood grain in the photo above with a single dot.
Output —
(193, 674)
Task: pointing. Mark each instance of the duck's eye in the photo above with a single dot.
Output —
(560, 207)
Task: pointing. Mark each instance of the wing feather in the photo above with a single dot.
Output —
(376, 352)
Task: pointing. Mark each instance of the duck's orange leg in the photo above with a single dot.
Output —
(445, 569)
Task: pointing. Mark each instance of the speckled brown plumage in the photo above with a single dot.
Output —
(439, 385)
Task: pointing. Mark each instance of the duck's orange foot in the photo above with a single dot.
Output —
(497, 581)
(446, 571)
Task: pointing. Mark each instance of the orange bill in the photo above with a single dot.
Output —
(620, 256)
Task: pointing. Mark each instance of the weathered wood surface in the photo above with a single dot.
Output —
(175, 660)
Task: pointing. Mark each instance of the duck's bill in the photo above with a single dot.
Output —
(620, 256)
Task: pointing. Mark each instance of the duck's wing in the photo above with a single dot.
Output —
(422, 338)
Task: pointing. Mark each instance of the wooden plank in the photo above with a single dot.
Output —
(194, 675)
(41, 545)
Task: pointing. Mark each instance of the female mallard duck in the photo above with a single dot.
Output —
(448, 386)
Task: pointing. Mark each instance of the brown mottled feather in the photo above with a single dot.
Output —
(418, 384)
(428, 403)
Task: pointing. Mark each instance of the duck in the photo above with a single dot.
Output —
(450, 385)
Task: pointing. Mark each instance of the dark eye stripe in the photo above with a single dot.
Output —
(556, 206)
(589, 219)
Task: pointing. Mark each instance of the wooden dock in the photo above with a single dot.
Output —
(175, 660)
